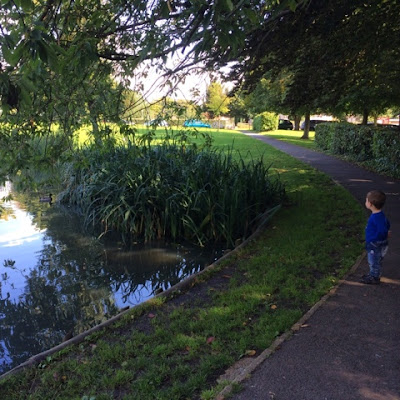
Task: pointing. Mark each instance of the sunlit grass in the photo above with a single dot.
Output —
(293, 137)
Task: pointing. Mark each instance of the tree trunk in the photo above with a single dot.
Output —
(297, 119)
(365, 117)
(306, 126)
(95, 130)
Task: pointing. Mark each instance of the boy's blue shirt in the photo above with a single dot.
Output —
(377, 228)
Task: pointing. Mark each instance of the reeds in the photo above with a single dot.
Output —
(171, 191)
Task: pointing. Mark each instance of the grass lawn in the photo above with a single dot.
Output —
(293, 137)
(177, 347)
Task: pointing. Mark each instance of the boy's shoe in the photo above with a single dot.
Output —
(370, 280)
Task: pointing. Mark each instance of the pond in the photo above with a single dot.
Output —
(57, 280)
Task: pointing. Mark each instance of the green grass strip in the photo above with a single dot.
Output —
(293, 137)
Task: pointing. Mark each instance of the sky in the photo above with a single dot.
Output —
(194, 87)
(191, 85)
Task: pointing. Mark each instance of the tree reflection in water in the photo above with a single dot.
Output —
(59, 280)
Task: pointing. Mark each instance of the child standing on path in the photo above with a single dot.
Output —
(376, 236)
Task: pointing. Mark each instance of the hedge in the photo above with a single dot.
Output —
(386, 151)
(379, 146)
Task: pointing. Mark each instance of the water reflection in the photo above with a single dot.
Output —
(55, 279)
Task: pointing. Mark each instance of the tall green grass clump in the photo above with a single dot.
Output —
(170, 191)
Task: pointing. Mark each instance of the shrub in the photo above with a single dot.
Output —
(266, 121)
(323, 136)
(386, 151)
(352, 140)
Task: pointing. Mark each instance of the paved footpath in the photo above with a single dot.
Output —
(350, 347)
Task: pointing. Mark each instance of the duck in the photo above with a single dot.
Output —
(46, 199)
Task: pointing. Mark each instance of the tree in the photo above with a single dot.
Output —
(134, 105)
(330, 70)
(239, 107)
(292, 59)
(272, 93)
(372, 73)
(50, 33)
(59, 59)
(53, 49)
(217, 100)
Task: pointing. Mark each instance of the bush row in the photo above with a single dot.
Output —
(266, 121)
(378, 146)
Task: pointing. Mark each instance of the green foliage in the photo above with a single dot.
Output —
(217, 101)
(266, 121)
(58, 65)
(386, 151)
(345, 138)
(271, 93)
(30, 151)
(378, 146)
(323, 136)
(52, 50)
(171, 191)
(133, 106)
(238, 108)
(319, 66)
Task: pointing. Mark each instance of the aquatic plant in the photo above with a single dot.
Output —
(170, 191)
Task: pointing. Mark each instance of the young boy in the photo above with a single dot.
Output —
(376, 236)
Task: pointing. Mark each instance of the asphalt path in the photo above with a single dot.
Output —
(349, 348)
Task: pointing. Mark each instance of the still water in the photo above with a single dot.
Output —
(55, 279)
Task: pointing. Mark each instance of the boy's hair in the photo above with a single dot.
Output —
(376, 198)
